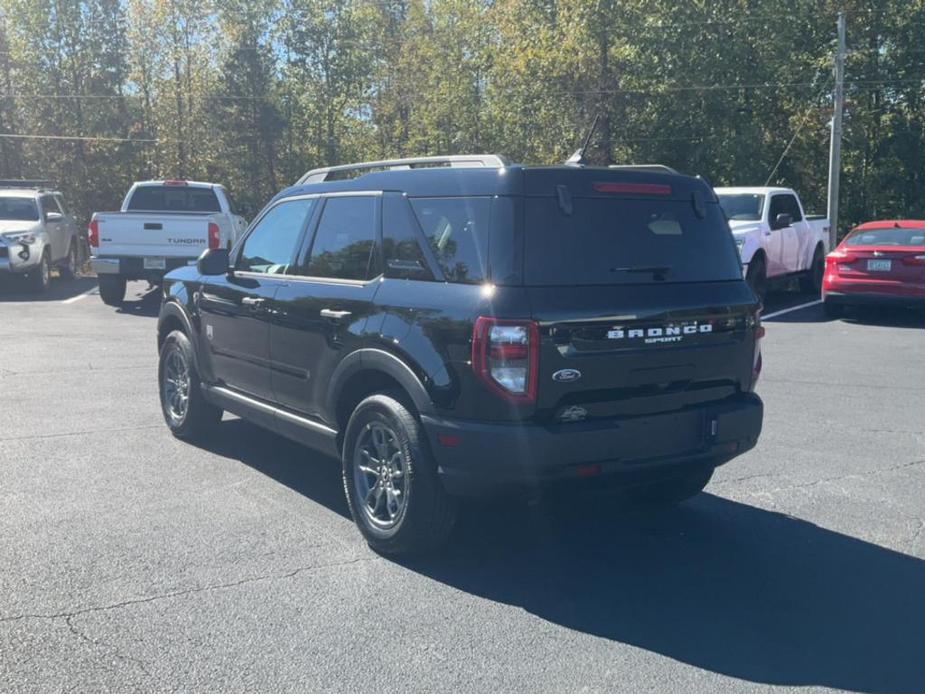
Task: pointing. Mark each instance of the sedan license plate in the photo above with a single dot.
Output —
(155, 264)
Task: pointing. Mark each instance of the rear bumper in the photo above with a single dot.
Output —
(865, 297)
(627, 450)
(133, 267)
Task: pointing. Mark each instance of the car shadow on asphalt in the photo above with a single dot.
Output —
(14, 290)
(141, 301)
(714, 583)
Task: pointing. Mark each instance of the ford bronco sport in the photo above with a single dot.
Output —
(453, 326)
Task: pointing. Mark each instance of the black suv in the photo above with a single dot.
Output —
(454, 326)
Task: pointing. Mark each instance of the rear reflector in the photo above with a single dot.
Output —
(589, 470)
(632, 188)
(448, 440)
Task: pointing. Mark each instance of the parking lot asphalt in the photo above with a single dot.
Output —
(130, 561)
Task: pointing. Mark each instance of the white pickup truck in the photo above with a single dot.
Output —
(775, 237)
(162, 225)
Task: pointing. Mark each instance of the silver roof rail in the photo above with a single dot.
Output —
(653, 168)
(462, 161)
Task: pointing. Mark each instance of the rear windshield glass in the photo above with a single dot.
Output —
(887, 237)
(626, 241)
(741, 207)
(173, 199)
(19, 209)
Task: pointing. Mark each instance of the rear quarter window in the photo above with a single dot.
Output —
(457, 230)
(621, 241)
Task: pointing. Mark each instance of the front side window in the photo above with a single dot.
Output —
(271, 245)
(344, 242)
(784, 204)
(49, 204)
(458, 232)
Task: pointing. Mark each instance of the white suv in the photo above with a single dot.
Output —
(36, 234)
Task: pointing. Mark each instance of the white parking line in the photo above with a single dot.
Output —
(791, 309)
(79, 296)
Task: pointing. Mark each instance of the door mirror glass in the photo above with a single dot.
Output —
(213, 261)
(782, 221)
(53, 216)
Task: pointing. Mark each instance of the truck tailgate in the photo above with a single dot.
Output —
(156, 235)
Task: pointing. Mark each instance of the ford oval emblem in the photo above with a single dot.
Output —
(566, 375)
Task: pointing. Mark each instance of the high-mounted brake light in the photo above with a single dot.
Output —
(214, 235)
(632, 188)
(176, 182)
(93, 234)
(505, 356)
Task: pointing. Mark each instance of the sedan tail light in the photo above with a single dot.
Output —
(505, 356)
(93, 234)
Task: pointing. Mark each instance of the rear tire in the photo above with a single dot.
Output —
(673, 490)
(40, 279)
(390, 479)
(757, 278)
(112, 289)
(811, 282)
(69, 268)
(187, 413)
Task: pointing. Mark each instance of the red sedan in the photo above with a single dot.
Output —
(877, 263)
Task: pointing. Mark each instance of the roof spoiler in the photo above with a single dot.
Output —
(464, 161)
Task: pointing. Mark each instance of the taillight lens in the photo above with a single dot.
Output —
(214, 239)
(93, 234)
(505, 356)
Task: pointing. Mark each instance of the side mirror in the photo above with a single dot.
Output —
(782, 221)
(213, 261)
(53, 216)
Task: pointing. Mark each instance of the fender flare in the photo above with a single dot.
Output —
(371, 358)
(171, 310)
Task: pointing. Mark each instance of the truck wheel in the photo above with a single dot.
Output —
(811, 281)
(673, 490)
(69, 267)
(112, 289)
(40, 278)
(757, 278)
(390, 479)
(187, 413)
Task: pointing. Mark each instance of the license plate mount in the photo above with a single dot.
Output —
(879, 265)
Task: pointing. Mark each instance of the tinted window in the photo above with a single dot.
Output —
(173, 199)
(271, 244)
(784, 204)
(20, 209)
(343, 244)
(620, 241)
(49, 204)
(457, 231)
(741, 207)
(401, 249)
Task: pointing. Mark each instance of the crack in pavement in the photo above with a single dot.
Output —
(853, 475)
(188, 591)
(69, 620)
(841, 385)
(82, 433)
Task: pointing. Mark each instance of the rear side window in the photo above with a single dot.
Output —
(344, 242)
(626, 241)
(173, 199)
(457, 230)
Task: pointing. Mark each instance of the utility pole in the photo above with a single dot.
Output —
(835, 144)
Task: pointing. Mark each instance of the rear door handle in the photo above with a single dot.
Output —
(333, 315)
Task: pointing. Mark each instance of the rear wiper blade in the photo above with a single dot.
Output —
(652, 269)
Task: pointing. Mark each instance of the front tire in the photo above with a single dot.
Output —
(390, 480)
(40, 279)
(112, 289)
(673, 490)
(187, 413)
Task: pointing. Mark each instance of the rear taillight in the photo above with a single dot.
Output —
(93, 234)
(175, 182)
(505, 355)
(214, 235)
